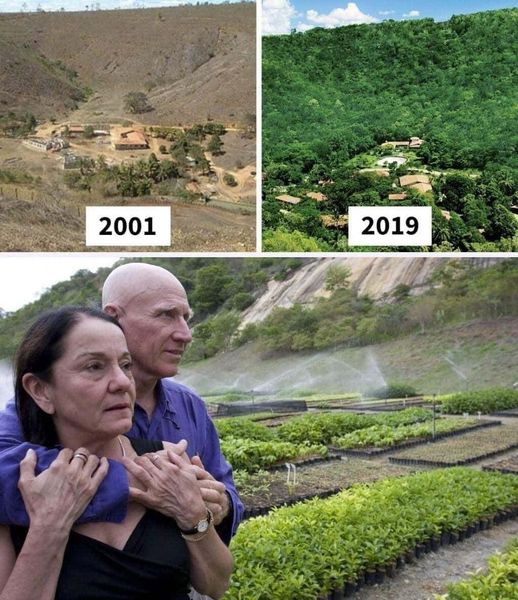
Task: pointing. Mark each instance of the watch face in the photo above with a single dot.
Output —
(203, 526)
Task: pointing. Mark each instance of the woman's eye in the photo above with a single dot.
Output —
(126, 366)
(93, 367)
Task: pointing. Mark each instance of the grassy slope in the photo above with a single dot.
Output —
(484, 351)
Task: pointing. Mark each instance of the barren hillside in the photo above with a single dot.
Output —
(194, 62)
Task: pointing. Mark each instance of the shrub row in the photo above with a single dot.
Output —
(320, 428)
(382, 436)
(251, 455)
(484, 401)
(312, 548)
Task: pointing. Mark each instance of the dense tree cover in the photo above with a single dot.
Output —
(460, 292)
(332, 97)
(216, 288)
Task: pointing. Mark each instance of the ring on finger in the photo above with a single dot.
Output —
(82, 456)
(155, 459)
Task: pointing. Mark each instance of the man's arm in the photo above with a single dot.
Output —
(109, 504)
(214, 462)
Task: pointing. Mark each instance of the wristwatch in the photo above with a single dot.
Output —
(201, 526)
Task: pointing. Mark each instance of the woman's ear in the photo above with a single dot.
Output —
(38, 391)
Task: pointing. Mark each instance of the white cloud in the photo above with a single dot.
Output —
(386, 13)
(339, 17)
(276, 16)
(412, 13)
(303, 27)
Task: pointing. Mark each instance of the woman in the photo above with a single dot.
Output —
(74, 388)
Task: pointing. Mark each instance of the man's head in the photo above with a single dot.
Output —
(152, 307)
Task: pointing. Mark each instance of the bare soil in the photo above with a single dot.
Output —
(194, 62)
(56, 213)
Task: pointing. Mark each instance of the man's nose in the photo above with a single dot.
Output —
(182, 332)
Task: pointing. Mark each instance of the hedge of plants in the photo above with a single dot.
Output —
(484, 401)
(243, 427)
(323, 428)
(312, 548)
(385, 436)
(252, 455)
(250, 446)
(500, 581)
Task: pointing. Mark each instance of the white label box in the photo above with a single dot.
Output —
(128, 225)
(390, 225)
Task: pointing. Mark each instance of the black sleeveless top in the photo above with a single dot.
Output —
(153, 565)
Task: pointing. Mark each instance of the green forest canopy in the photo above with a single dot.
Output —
(330, 95)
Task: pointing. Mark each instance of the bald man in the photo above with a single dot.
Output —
(152, 307)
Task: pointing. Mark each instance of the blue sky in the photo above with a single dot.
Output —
(281, 16)
(75, 5)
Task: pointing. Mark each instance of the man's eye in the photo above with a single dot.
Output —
(126, 366)
(94, 366)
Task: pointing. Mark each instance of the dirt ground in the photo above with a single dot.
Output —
(226, 225)
(432, 573)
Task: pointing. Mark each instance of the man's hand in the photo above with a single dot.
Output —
(213, 492)
(169, 487)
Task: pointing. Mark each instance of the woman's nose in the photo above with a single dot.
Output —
(121, 378)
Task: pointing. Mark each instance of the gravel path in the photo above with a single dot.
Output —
(431, 574)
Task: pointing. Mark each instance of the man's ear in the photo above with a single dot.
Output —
(113, 310)
(38, 390)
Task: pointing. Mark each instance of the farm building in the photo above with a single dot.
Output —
(415, 142)
(76, 130)
(420, 183)
(38, 144)
(288, 199)
(394, 144)
(44, 144)
(318, 196)
(131, 140)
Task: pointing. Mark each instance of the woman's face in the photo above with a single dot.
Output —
(91, 391)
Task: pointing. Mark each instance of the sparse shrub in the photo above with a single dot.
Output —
(136, 102)
(230, 180)
(394, 390)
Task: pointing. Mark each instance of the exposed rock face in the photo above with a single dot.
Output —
(377, 277)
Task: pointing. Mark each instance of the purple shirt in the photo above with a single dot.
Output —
(179, 414)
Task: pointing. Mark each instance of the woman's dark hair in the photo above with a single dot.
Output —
(40, 348)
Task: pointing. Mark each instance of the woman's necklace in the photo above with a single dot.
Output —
(121, 445)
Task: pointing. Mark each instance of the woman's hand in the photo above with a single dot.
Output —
(57, 497)
(170, 487)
